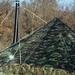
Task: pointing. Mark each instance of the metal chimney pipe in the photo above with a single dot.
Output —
(15, 37)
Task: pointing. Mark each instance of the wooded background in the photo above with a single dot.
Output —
(46, 9)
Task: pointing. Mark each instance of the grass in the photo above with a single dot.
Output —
(26, 69)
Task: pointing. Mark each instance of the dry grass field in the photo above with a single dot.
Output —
(26, 69)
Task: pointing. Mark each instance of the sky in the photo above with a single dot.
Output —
(25, 0)
(65, 4)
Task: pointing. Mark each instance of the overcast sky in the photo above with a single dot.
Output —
(25, 0)
(65, 4)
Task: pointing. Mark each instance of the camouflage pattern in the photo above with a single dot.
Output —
(52, 45)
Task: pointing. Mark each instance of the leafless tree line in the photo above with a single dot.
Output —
(45, 9)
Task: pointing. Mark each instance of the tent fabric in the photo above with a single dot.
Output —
(52, 45)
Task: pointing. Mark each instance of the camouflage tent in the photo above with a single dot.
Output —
(52, 45)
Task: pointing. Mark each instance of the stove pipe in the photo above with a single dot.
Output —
(15, 37)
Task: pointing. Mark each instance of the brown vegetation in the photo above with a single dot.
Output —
(46, 9)
(31, 70)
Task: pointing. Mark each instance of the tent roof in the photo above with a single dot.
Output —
(51, 45)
